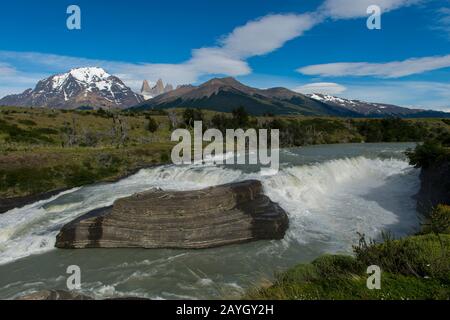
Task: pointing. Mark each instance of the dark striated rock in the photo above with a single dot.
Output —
(434, 187)
(54, 295)
(216, 216)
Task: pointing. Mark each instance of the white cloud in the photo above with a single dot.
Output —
(266, 34)
(393, 69)
(321, 87)
(6, 70)
(346, 9)
(13, 80)
(255, 38)
(442, 23)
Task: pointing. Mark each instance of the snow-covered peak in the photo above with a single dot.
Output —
(89, 74)
(330, 98)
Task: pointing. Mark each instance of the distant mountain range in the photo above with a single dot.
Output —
(370, 109)
(80, 87)
(225, 94)
(94, 87)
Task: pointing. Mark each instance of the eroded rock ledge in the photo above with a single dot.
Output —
(434, 187)
(216, 216)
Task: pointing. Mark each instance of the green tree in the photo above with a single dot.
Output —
(152, 125)
(191, 115)
(241, 118)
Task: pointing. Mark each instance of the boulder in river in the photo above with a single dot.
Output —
(211, 217)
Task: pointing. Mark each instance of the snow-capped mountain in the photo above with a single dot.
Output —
(91, 86)
(365, 108)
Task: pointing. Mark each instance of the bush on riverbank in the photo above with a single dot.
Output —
(428, 153)
(439, 221)
(416, 267)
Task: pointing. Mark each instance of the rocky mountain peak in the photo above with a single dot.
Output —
(159, 88)
(145, 86)
(87, 86)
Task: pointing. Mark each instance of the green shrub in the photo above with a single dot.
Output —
(428, 153)
(304, 282)
(152, 125)
(419, 256)
(164, 157)
(439, 221)
(191, 115)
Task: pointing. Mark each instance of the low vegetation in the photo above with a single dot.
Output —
(415, 267)
(430, 152)
(45, 149)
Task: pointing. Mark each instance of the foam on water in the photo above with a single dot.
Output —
(333, 201)
(326, 201)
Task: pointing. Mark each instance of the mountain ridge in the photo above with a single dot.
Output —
(225, 94)
(94, 87)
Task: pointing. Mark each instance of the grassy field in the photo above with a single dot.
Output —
(44, 149)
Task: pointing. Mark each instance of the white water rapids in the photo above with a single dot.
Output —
(328, 203)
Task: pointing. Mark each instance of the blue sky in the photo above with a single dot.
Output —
(308, 46)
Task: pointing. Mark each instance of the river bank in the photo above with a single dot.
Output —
(330, 193)
(7, 204)
(412, 267)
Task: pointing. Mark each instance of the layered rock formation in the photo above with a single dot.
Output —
(216, 216)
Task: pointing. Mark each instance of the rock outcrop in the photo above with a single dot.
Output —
(216, 216)
(157, 90)
(434, 187)
(145, 86)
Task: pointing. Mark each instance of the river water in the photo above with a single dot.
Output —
(331, 193)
